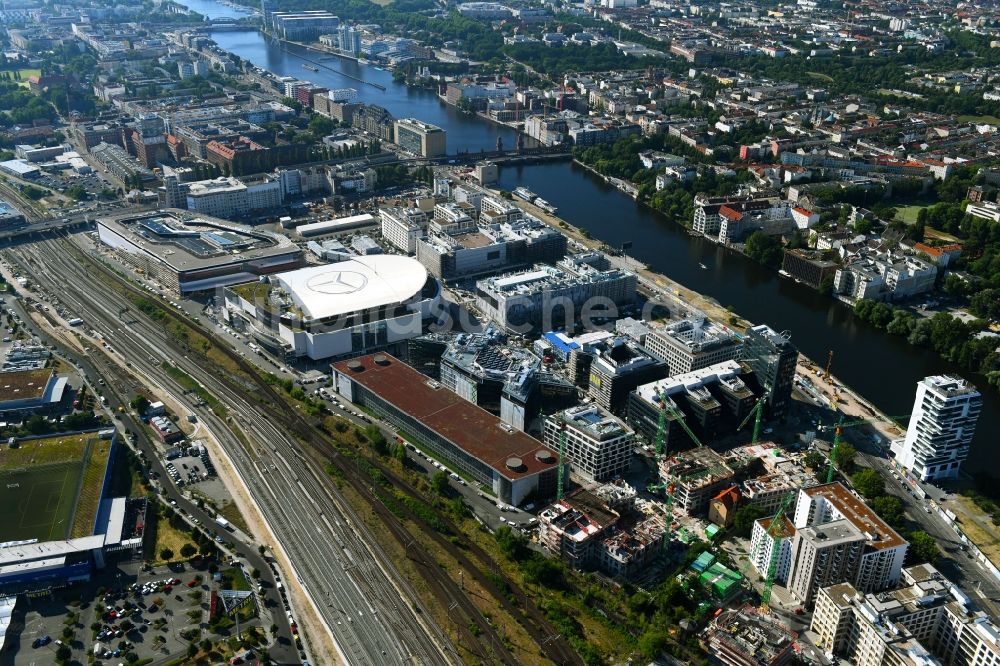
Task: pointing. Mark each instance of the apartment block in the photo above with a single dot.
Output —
(839, 538)
(745, 637)
(697, 476)
(926, 620)
(598, 446)
(941, 427)
(765, 539)
(403, 226)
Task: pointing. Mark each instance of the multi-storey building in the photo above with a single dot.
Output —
(420, 138)
(697, 475)
(510, 382)
(744, 637)
(773, 358)
(941, 427)
(765, 539)
(712, 399)
(375, 121)
(598, 446)
(231, 198)
(692, 344)
(618, 366)
(927, 620)
(839, 538)
(403, 226)
(550, 297)
(303, 26)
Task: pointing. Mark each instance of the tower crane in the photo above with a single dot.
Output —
(774, 531)
(757, 412)
(661, 430)
(561, 471)
(666, 406)
(838, 429)
(668, 490)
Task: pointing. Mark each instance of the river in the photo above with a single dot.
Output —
(883, 369)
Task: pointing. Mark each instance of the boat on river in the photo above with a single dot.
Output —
(525, 193)
(546, 206)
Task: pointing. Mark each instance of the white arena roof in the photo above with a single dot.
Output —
(356, 284)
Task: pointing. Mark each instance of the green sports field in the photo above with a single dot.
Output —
(38, 503)
(50, 488)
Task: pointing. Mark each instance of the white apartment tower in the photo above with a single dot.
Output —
(941, 427)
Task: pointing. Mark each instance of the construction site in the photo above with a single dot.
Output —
(746, 637)
(696, 476)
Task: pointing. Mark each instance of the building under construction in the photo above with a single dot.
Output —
(599, 528)
(744, 637)
(697, 476)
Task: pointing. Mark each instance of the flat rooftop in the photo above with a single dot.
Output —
(859, 514)
(188, 242)
(24, 384)
(471, 428)
(689, 381)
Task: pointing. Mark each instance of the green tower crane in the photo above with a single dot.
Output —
(668, 491)
(756, 414)
(674, 412)
(774, 531)
(661, 430)
(838, 429)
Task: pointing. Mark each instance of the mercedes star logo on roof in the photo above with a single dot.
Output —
(337, 282)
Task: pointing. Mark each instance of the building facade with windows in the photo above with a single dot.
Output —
(598, 445)
(941, 427)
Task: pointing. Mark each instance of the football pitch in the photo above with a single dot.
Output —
(39, 502)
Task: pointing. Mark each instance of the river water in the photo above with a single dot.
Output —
(883, 369)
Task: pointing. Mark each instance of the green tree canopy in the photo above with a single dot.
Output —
(869, 483)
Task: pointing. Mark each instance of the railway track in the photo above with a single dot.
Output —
(267, 400)
(293, 517)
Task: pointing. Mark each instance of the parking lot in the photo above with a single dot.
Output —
(126, 613)
(188, 470)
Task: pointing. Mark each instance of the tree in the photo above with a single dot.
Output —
(439, 482)
(814, 460)
(869, 483)
(166, 554)
(843, 457)
(890, 508)
(188, 550)
(764, 249)
(511, 544)
(63, 653)
(652, 644)
(923, 548)
(745, 517)
(140, 404)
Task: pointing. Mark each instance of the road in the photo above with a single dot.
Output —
(116, 381)
(956, 564)
(355, 592)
